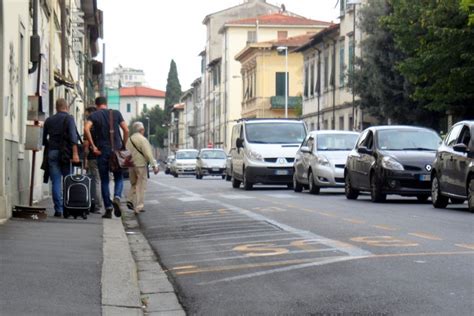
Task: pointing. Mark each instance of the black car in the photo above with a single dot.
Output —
(392, 160)
(453, 169)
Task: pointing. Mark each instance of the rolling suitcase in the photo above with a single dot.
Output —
(77, 194)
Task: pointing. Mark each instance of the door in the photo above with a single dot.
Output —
(366, 161)
(300, 169)
(460, 163)
(446, 156)
(354, 162)
(237, 153)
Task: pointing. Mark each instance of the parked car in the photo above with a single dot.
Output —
(321, 159)
(392, 160)
(452, 177)
(228, 168)
(210, 162)
(263, 151)
(184, 162)
(168, 163)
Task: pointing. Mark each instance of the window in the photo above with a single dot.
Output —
(282, 35)
(453, 136)
(280, 83)
(351, 57)
(326, 72)
(306, 81)
(341, 122)
(343, 6)
(129, 108)
(317, 88)
(312, 126)
(251, 37)
(341, 63)
(144, 108)
(311, 79)
(333, 68)
(216, 76)
(351, 123)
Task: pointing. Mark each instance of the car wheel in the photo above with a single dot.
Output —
(228, 177)
(351, 193)
(235, 183)
(422, 198)
(247, 185)
(223, 176)
(298, 187)
(438, 200)
(313, 188)
(456, 201)
(376, 194)
(175, 175)
(470, 195)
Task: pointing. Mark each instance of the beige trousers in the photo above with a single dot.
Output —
(138, 180)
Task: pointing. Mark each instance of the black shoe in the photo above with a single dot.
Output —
(108, 214)
(117, 209)
(57, 214)
(130, 205)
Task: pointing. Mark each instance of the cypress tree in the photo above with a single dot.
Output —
(173, 89)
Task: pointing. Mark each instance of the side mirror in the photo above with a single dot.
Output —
(462, 148)
(198, 158)
(239, 143)
(305, 149)
(364, 150)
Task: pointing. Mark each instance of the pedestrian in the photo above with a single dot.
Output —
(102, 148)
(142, 156)
(60, 139)
(91, 164)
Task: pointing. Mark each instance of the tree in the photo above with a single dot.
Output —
(383, 90)
(468, 6)
(157, 120)
(438, 45)
(173, 90)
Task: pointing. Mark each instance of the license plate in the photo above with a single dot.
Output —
(425, 177)
(215, 169)
(281, 172)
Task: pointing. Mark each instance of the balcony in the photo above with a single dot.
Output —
(278, 102)
(192, 131)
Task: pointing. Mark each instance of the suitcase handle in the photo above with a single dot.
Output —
(71, 167)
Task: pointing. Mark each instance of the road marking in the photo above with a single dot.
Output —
(151, 202)
(269, 209)
(302, 244)
(327, 214)
(353, 221)
(184, 267)
(468, 246)
(236, 196)
(384, 227)
(425, 236)
(384, 241)
(281, 196)
(191, 199)
(261, 250)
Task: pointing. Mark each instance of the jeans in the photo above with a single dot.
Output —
(57, 172)
(104, 170)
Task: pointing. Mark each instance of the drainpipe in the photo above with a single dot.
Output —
(35, 48)
(64, 44)
(334, 86)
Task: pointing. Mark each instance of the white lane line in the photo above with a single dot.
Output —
(191, 199)
(281, 196)
(152, 202)
(236, 196)
(285, 269)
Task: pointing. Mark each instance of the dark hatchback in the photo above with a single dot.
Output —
(453, 169)
(392, 160)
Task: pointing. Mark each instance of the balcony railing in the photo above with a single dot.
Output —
(278, 102)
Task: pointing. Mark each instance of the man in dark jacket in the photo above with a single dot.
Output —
(102, 147)
(60, 138)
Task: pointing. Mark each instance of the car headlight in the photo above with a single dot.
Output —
(391, 164)
(254, 155)
(323, 161)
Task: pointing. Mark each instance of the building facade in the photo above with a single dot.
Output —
(264, 68)
(125, 77)
(136, 100)
(62, 36)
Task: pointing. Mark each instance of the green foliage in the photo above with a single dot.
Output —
(157, 118)
(468, 6)
(383, 90)
(173, 89)
(438, 45)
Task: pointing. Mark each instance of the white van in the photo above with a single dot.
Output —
(263, 151)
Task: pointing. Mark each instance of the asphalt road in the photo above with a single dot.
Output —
(272, 251)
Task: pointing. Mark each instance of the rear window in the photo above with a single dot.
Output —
(396, 139)
(186, 155)
(213, 154)
(331, 142)
(275, 133)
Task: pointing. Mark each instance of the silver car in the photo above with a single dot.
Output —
(320, 160)
(211, 162)
(184, 162)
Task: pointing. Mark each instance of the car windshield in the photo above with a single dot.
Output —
(186, 155)
(275, 133)
(331, 142)
(396, 139)
(213, 154)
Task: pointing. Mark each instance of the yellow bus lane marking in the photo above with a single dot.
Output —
(353, 221)
(384, 241)
(425, 236)
(384, 227)
(468, 246)
(327, 214)
(261, 249)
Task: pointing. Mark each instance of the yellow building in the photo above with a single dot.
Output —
(263, 68)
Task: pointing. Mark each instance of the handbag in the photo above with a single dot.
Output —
(121, 158)
(65, 154)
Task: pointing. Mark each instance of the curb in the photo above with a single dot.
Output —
(120, 289)
(157, 292)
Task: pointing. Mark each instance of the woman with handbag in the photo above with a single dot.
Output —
(107, 125)
(142, 156)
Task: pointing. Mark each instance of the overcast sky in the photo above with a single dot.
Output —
(147, 34)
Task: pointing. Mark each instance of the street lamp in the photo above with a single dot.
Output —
(281, 49)
(148, 126)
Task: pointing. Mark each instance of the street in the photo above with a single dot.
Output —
(274, 251)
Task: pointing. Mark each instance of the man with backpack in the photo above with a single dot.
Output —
(60, 140)
(107, 138)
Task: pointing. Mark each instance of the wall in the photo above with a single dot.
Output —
(137, 105)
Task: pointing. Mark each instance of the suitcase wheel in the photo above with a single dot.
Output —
(75, 216)
(84, 216)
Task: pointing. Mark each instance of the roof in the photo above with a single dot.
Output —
(178, 106)
(318, 37)
(277, 19)
(237, 7)
(141, 92)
